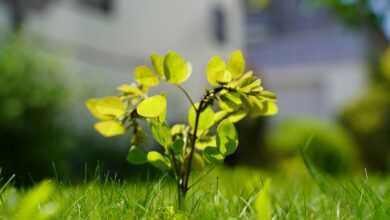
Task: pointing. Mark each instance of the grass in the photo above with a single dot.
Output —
(224, 194)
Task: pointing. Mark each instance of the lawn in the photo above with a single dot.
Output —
(223, 194)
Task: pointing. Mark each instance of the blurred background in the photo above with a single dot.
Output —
(326, 59)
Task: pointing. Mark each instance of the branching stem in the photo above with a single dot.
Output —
(183, 169)
(187, 96)
(206, 100)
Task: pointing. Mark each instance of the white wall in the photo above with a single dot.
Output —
(319, 90)
(105, 49)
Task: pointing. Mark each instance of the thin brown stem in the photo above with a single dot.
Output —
(187, 96)
(175, 164)
(192, 148)
(185, 173)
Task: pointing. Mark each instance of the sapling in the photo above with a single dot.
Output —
(209, 134)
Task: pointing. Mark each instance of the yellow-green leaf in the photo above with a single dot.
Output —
(212, 154)
(91, 106)
(152, 107)
(205, 141)
(158, 64)
(268, 95)
(233, 116)
(236, 64)
(109, 128)
(263, 205)
(215, 68)
(227, 137)
(253, 84)
(29, 206)
(224, 77)
(176, 68)
(107, 107)
(262, 107)
(230, 101)
(198, 162)
(131, 90)
(145, 76)
(178, 129)
(238, 115)
(271, 108)
(158, 160)
(161, 133)
(219, 116)
(206, 118)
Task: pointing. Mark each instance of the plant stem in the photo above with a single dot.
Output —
(187, 96)
(193, 142)
(180, 197)
(185, 176)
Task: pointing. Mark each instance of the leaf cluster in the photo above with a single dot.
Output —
(209, 135)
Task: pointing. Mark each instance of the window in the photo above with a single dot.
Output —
(219, 24)
(105, 6)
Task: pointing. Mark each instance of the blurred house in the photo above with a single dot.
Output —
(103, 40)
(312, 62)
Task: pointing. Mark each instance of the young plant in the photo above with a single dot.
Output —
(235, 94)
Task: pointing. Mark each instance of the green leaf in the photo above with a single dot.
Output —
(213, 155)
(215, 68)
(30, 205)
(162, 134)
(145, 76)
(176, 68)
(205, 119)
(92, 107)
(227, 137)
(106, 108)
(236, 63)
(262, 108)
(177, 145)
(270, 108)
(219, 116)
(263, 205)
(224, 77)
(238, 115)
(109, 128)
(131, 90)
(198, 162)
(136, 155)
(158, 160)
(247, 83)
(178, 129)
(252, 85)
(268, 95)
(158, 64)
(205, 141)
(152, 107)
(233, 116)
(230, 101)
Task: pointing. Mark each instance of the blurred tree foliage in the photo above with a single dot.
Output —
(369, 16)
(368, 116)
(368, 119)
(32, 94)
(358, 13)
(329, 146)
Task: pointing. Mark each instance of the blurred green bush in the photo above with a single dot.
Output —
(330, 147)
(368, 119)
(32, 96)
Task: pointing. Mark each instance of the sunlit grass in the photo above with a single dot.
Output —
(224, 194)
